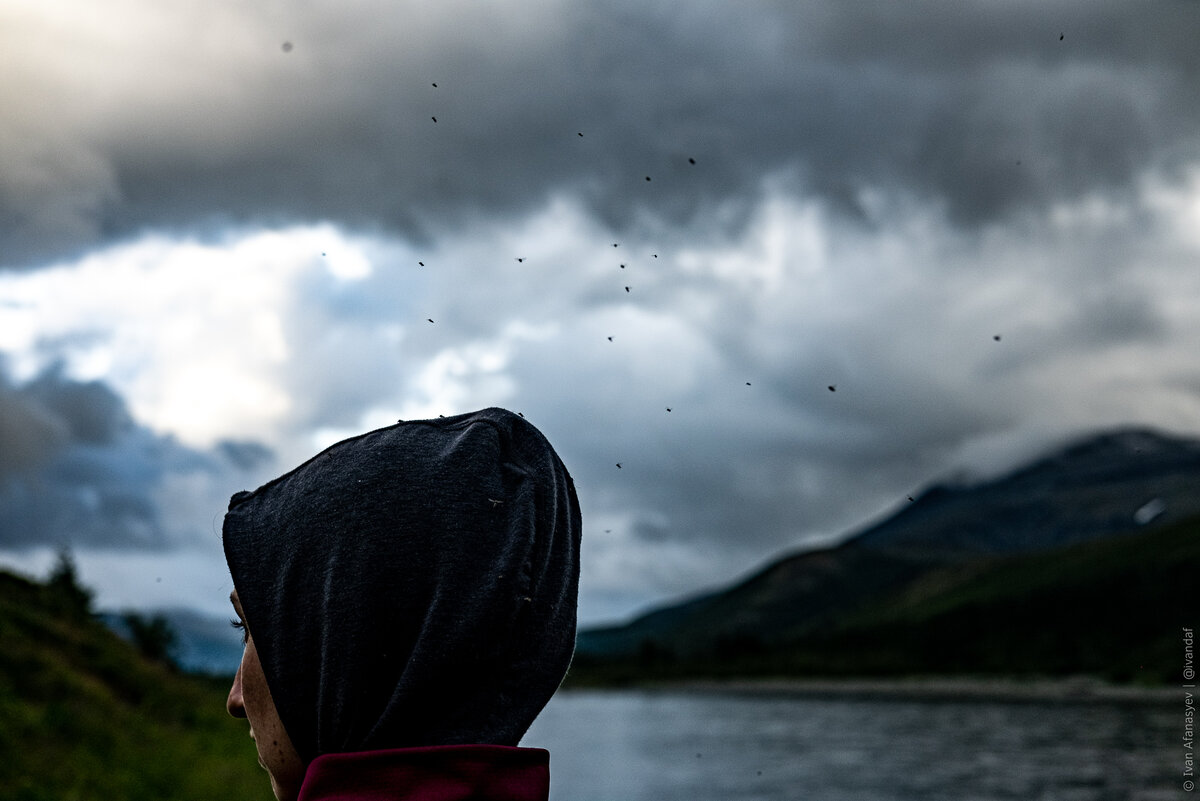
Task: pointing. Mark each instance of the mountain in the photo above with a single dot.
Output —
(1095, 487)
(1128, 482)
(1114, 607)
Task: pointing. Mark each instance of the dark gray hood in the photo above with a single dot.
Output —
(415, 585)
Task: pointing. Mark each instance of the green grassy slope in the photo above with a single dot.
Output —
(83, 716)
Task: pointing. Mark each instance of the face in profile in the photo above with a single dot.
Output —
(250, 698)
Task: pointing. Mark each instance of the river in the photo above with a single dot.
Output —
(671, 745)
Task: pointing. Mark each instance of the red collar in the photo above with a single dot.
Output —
(436, 773)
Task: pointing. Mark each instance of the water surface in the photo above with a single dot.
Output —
(701, 746)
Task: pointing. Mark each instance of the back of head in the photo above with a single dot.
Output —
(415, 585)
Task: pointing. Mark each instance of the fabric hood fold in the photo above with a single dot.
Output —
(412, 586)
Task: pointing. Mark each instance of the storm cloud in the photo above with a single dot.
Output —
(759, 270)
(188, 118)
(77, 471)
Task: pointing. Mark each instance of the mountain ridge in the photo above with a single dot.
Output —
(1114, 474)
(1090, 489)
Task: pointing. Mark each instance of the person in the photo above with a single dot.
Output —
(409, 604)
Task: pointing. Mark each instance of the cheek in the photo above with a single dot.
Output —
(275, 749)
(255, 696)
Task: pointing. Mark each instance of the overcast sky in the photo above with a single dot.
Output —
(785, 263)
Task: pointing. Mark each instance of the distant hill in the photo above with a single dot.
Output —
(205, 644)
(1044, 526)
(84, 716)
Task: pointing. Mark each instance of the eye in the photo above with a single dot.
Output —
(241, 626)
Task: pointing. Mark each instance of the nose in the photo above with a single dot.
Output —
(233, 704)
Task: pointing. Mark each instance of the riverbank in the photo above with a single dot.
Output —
(1080, 689)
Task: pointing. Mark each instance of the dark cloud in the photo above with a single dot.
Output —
(941, 102)
(29, 435)
(806, 473)
(76, 469)
(90, 412)
(970, 227)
